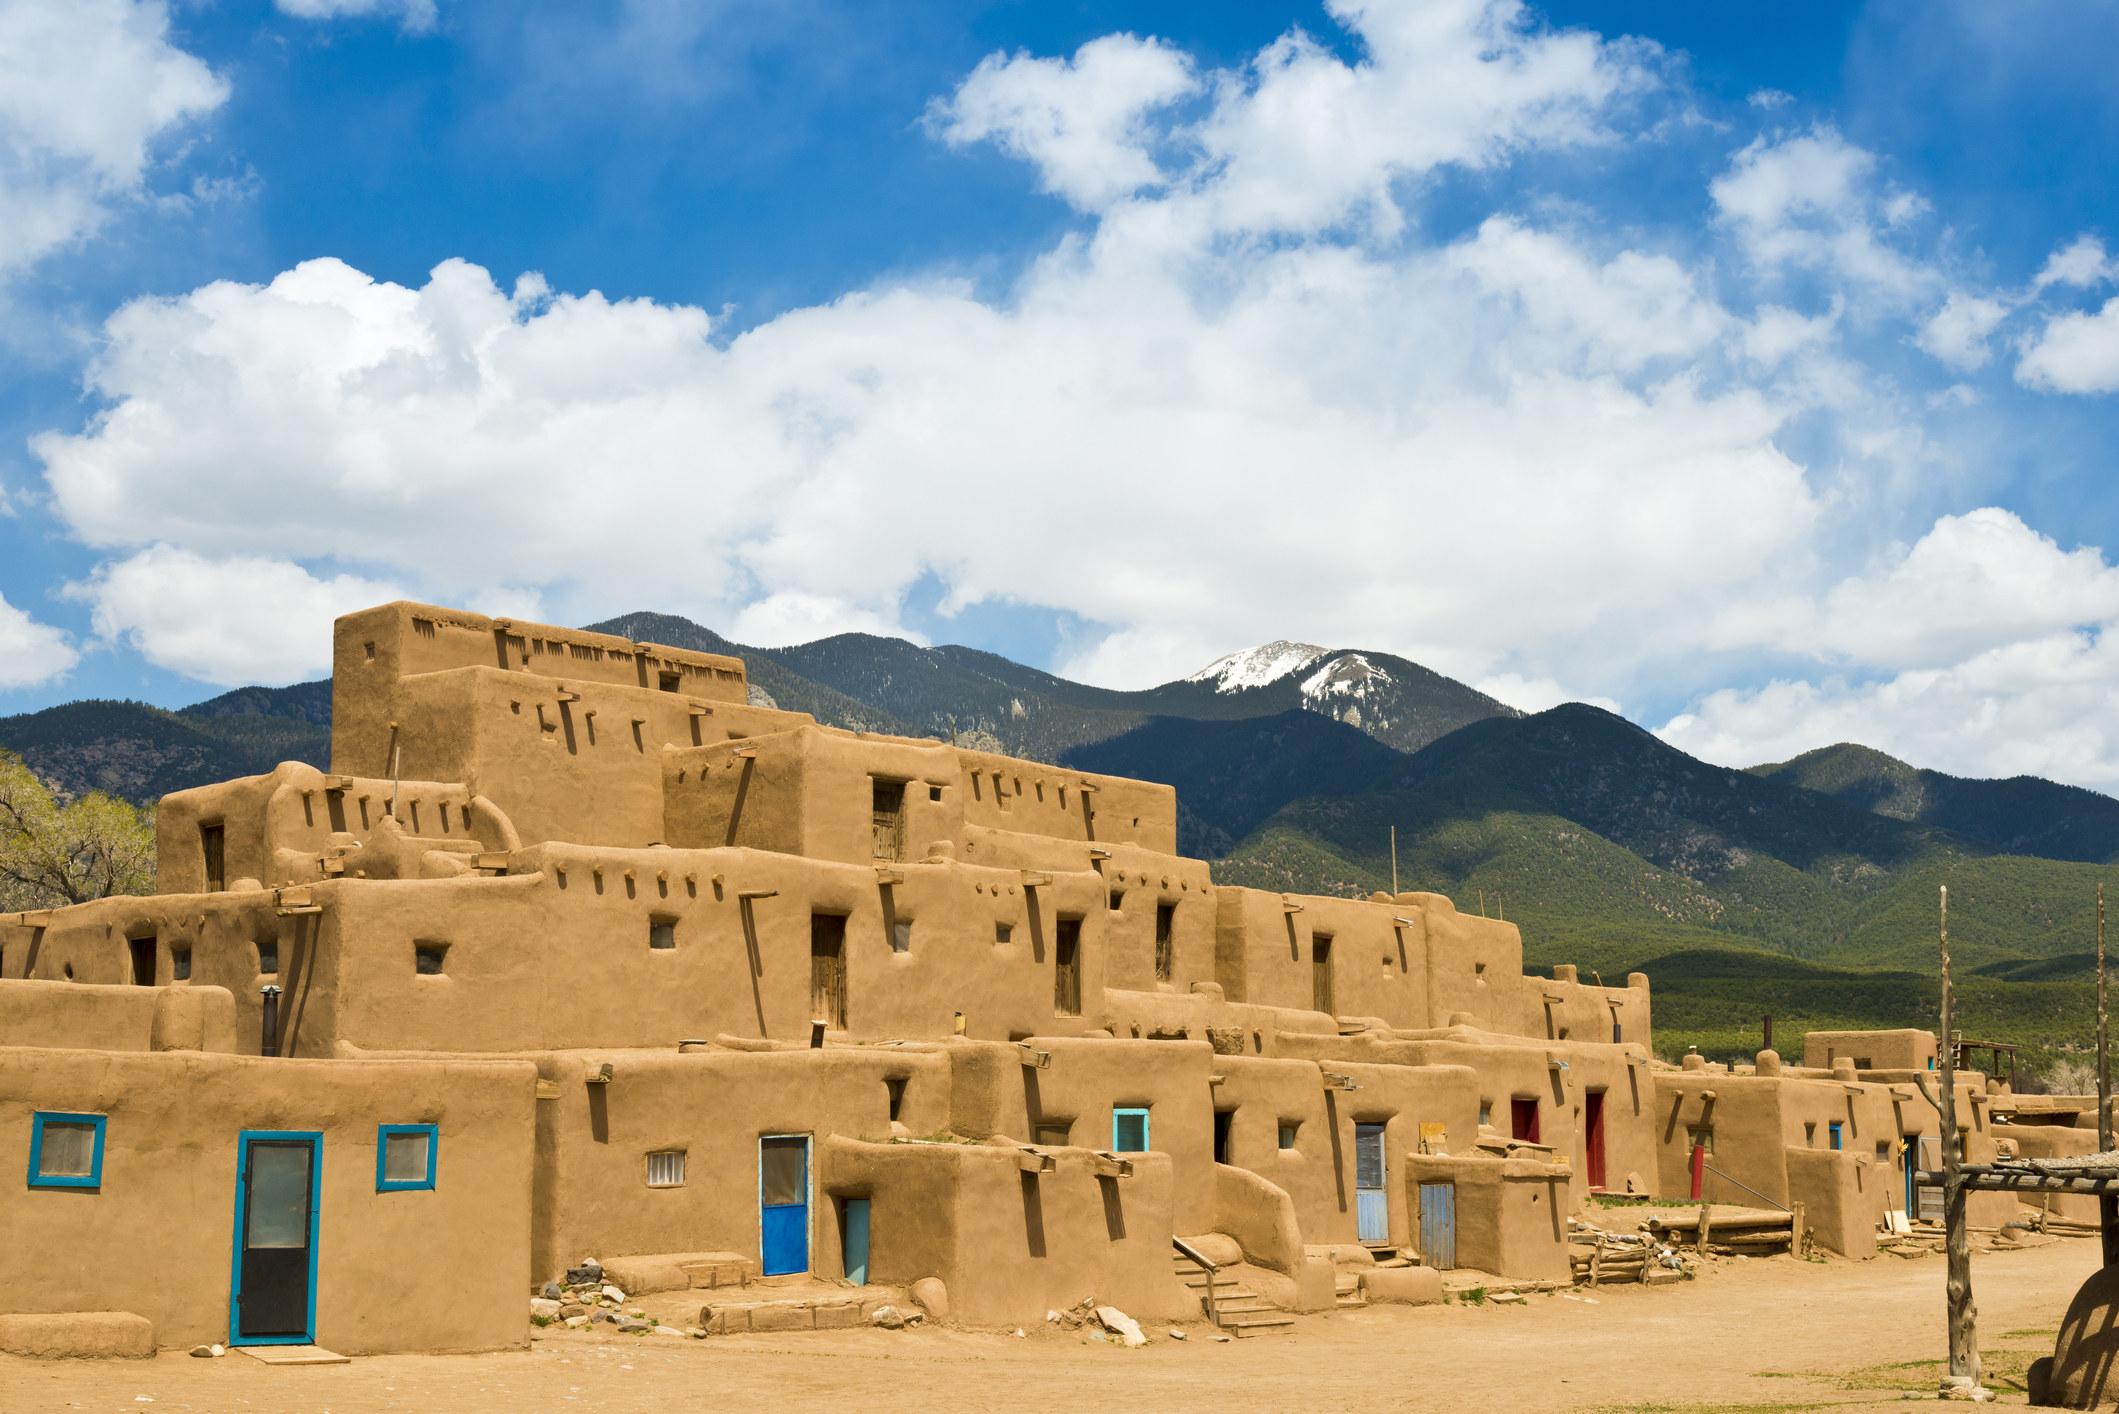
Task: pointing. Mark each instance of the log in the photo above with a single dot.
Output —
(1722, 1221)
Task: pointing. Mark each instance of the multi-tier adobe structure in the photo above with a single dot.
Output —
(578, 951)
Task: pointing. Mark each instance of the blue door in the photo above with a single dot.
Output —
(783, 1204)
(855, 1228)
(1372, 1211)
(273, 1293)
(1438, 1225)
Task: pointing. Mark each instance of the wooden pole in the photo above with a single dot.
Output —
(2107, 1203)
(1394, 861)
(1963, 1315)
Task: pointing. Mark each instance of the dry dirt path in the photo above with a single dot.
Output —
(1756, 1336)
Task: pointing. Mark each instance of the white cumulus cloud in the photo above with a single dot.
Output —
(416, 15)
(87, 90)
(1250, 398)
(1081, 121)
(31, 653)
(232, 621)
(2074, 352)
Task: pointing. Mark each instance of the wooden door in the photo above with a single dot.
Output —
(1593, 1137)
(1438, 1225)
(1523, 1120)
(890, 819)
(827, 969)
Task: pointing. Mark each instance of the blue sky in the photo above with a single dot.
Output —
(1744, 368)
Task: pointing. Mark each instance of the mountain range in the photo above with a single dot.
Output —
(1806, 888)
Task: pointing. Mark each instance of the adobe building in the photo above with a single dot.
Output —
(1845, 1142)
(576, 951)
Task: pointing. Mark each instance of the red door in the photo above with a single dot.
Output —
(1593, 1138)
(1523, 1120)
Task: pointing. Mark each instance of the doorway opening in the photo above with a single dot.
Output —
(277, 1184)
(827, 969)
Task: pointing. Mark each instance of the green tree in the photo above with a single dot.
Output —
(52, 854)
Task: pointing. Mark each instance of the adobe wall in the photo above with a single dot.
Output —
(223, 937)
(287, 827)
(1768, 1128)
(1506, 1069)
(560, 957)
(85, 1016)
(811, 791)
(565, 758)
(2050, 1141)
(435, 1270)
(714, 1104)
(404, 639)
(1511, 1214)
(1871, 1050)
(1011, 1245)
(1562, 1007)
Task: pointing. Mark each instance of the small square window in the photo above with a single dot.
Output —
(1287, 1135)
(428, 958)
(269, 958)
(180, 964)
(662, 934)
(934, 792)
(1118, 897)
(1486, 1113)
(901, 936)
(1002, 932)
(404, 1156)
(66, 1151)
(1700, 1139)
(665, 1168)
(1883, 1150)
(1055, 1133)
(1129, 1131)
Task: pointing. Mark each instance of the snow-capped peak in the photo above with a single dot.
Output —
(1255, 667)
(1346, 675)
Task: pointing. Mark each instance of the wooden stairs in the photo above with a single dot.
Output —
(1233, 1307)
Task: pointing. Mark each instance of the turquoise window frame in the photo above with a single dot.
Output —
(92, 1179)
(1120, 1113)
(382, 1154)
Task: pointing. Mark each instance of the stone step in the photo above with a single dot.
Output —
(1223, 1295)
(1243, 1327)
(1349, 1300)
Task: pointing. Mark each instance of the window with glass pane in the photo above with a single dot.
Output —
(68, 1149)
(278, 1204)
(405, 1156)
(665, 1168)
(1129, 1131)
(783, 1172)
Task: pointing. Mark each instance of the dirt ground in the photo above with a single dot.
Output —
(1765, 1335)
